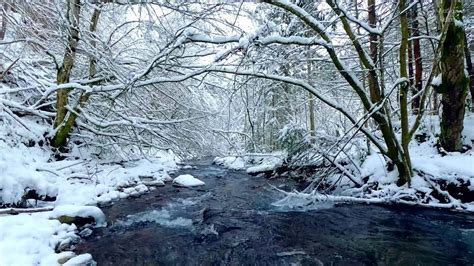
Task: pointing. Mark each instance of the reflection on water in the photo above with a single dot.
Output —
(230, 221)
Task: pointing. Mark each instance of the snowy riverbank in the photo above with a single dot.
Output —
(441, 179)
(40, 239)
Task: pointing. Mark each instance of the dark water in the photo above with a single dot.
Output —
(230, 221)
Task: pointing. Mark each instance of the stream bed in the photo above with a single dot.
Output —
(230, 221)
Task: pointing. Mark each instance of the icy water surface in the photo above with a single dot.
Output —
(230, 221)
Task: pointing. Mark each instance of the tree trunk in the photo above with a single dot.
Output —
(454, 84)
(393, 150)
(312, 126)
(404, 87)
(64, 73)
(417, 57)
(68, 121)
(373, 38)
(64, 131)
(3, 20)
(470, 70)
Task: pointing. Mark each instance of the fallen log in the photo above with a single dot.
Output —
(15, 211)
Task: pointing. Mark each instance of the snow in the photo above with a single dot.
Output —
(80, 211)
(79, 185)
(187, 181)
(82, 181)
(437, 81)
(231, 162)
(468, 130)
(268, 163)
(30, 239)
(458, 23)
(253, 163)
(79, 260)
(429, 166)
(18, 171)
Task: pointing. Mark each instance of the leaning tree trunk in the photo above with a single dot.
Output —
(64, 73)
(64, 130)
(454, 80)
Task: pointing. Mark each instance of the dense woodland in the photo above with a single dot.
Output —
(366, 100)
(202, 78)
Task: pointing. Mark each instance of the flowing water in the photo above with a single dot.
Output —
(230, 221)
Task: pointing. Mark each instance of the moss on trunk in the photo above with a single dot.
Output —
(454, 86)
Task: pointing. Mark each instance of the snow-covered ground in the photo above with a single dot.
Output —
(431, 168)
(78, 184)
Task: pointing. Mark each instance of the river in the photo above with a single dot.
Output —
(230, 221)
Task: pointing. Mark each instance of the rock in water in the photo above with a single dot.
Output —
(187, 181)
(79, 215)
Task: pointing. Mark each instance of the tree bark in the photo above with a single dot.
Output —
(454, 84)
(63, 132)
(470, 70)
(3, 20)
(404, 87)
(312, 126)
(417, 58)
(373, 38)
(64, 73)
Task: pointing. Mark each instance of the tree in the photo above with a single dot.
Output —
(106, 82)
(468, 45)
(455, 83)
(396, 152)
(415, 54)
(64, 73)
(3, 19)
(375, 99)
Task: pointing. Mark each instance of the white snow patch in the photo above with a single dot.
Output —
(80, 260)
(270, 163)
(30, 239)
(187, 181)
(437, 81)
(458, 23)
(231, 162)
(80, 211)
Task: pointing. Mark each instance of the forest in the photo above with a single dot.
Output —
(146, 124)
